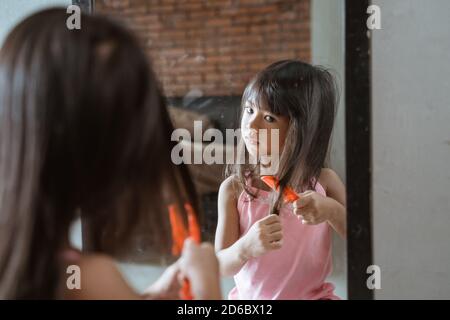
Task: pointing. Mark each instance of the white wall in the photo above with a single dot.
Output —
(411, 149)
(328, 49)
(13, 11)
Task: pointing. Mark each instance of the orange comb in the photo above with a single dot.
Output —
(180, 234)
(194, 228)
(289, 194)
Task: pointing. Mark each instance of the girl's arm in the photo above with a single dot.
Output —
(335, 190)
(167, 286)
(314, 208)
(233, 252)
(101, 280)
(229, 249)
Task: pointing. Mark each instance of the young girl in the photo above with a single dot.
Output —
(276, 250)
(84, 129)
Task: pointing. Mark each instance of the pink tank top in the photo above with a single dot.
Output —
(295, 271)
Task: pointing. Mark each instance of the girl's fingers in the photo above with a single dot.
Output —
(271, 219)
(277, 236)
(310, 219)
(301, 212)
(188, 244)
(276, 244)
(297, 210)
(305, 199)
(307, 193)
(276, 227)
(307, 217)
(180, 278)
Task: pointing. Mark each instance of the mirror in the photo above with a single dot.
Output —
(205, 53)
(392, 82)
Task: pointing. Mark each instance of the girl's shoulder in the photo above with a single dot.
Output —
(79, 258)
(99, 279)
(328, 178)
(231, 187)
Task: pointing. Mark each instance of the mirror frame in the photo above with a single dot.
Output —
(358, 140)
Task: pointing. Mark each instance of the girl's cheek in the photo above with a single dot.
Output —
(275, 147)
(278, 144)
(244, 121)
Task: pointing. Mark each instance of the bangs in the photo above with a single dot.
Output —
(263, 92)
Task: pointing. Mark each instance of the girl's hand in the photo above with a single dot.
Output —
(313, 208)
(264, 235)
(199, 264)
(167, 286)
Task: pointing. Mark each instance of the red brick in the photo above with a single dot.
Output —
(219, 59)
(218, 3)
(190, 6)
(251, 2)
(189, 78)
(265, 10)
(218, 22)
(203, 14)
(214, 45)
(233, 30)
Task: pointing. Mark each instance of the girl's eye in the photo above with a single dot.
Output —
(269, 119)
(248, 110)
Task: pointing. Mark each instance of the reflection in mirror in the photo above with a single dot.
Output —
(205, 53)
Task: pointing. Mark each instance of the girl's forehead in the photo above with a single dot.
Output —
(256, 103)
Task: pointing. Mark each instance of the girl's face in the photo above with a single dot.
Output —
(254, 121)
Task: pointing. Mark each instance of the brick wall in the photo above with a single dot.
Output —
(213, 47)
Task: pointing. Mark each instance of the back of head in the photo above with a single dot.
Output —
(83, 128)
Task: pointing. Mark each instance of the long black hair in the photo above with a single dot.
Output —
(83, 128)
